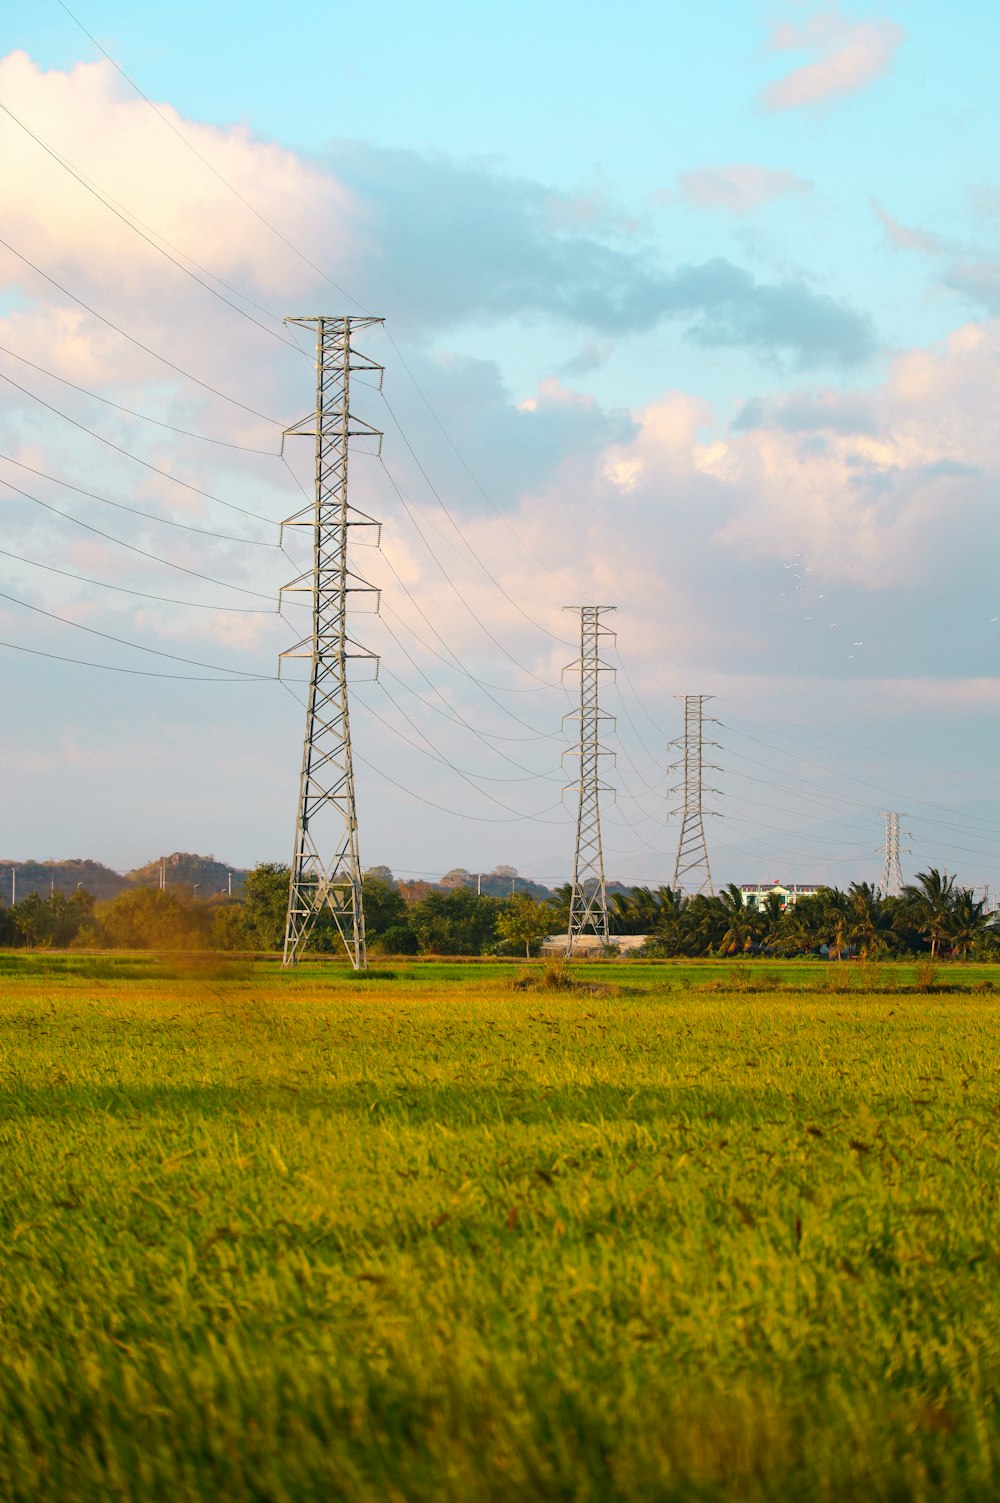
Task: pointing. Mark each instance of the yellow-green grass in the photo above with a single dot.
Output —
(431, 1236)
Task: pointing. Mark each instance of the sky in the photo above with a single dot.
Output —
(689, 311)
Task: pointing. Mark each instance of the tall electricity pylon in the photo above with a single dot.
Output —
(588, 907)
(326, 870)
(892, 875)
(692, 873)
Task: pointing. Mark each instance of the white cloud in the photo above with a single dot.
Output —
(847, 57)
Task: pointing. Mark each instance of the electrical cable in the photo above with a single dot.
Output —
(132, 548)
(130, 411)
(864, 782)
(214, 171)
(137, 342)
(91, 188)
(101, 584)
(475, 480)
(208, 495)
(445, 762)
(187, 678)
(461, 535)
(408, 508)
(435, 752)
(225, 537)
(123, 642)
(962, 779)
(456, 665)
(484, 819)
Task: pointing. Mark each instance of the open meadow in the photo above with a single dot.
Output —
(681, 1231)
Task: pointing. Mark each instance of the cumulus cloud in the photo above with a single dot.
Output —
(847, 56)
(739, 189)
(458, 242)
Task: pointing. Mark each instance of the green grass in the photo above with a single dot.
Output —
(282, 1237)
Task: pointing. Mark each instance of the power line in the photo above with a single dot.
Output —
(864, 782)
(461, 535)
(556, 575)
(204, 160)
(84, 182)
(467, 777)
(132, 548)
(186, 484)
(450, 582)
(186, 678)
(122, 641)
(430, 750)
(131, 412)
(102, 584)
(225, 537)
(137, 342)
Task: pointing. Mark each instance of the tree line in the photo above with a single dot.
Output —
(934, 915)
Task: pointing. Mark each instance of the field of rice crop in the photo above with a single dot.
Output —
(695, 1231)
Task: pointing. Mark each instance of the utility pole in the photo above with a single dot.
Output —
(13, 886)
(892, 876)
(163, 876)
(326, 867)
(588, 907)
(692, 873)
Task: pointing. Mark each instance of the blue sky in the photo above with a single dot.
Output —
(706, 303)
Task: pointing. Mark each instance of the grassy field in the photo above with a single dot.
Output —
(683, 1232)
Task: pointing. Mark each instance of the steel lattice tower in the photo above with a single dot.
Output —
(588, 907)
(892, 874)
(692, 873)
(326, 870)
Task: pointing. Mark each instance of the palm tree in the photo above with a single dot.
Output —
(743, 924)
(966, 922)
(869, 924)
(771, 922)
(836, 920)
(928, 904)
(635, 911)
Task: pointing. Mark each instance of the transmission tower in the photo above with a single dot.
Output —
(588, 907)
(326, 870)
(692, 873)
(892, 876)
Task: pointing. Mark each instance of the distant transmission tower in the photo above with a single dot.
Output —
(326, 871)
(588, 907)
(692, 873)
(892, 875)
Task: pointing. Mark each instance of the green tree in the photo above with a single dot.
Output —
(522, 921)
(967, 922)
(928, 903)
(387, 924)
(52, 921)
(869, 921)
(265, 905)
(743, 922)
(454, 923)
(146, 918)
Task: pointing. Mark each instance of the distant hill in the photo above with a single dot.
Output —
(183, 869)
(45, 877)
(499, 883)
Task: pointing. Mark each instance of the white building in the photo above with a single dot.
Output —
(756, 894)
